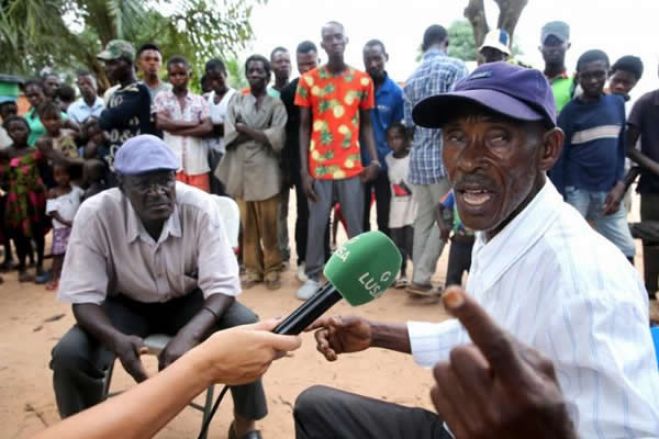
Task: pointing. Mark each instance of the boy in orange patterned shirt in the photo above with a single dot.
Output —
(334, 100)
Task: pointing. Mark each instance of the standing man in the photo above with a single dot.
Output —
(642, 124)
(280, 60)
(590, 172)
(555, 41)
(306, 56)
(251, 173)
(218, 101)
(335, 102)
(437, 74)
(90, 103)
(495, 47)
(388, 109)
(184, 117)
(149, 62)
(128, 112)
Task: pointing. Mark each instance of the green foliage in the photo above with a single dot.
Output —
(67, 34)
(461, 41)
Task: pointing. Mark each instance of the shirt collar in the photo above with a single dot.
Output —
(493, 258)
(562, 75)
(432, 53)
(135, 229)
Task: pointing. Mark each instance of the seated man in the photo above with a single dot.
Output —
(538, 269)
(147, 257)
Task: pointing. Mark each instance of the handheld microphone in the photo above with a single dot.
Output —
(359, 271)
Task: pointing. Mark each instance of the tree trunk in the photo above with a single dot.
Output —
(509, 13)
(475, 13)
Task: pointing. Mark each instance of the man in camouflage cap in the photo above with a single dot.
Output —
(128, 112)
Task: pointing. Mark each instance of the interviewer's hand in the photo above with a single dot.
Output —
(242, 354)
(497, 387)
(338, 335)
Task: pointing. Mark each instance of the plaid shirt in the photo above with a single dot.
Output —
(437, 73)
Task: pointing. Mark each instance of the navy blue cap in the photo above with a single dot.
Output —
(515, 92)
(144, 153)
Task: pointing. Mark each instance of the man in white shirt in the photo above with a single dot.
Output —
(218, 101)
(89, 104)
(148, 257)
(538, 269)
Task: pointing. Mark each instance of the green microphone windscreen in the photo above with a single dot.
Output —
(364, 267)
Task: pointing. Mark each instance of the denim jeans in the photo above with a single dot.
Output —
(613, 227)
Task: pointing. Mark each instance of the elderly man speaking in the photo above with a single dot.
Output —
(150, 256)
(538, 269)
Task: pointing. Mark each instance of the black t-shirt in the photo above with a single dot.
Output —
(127, 115)
(290, 156)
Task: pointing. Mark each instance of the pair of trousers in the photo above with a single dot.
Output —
(613, 227)
(459, 259)
(214, 159)
(79, 361)
(200, 181)
(259, 242)
(403, 237)
(282, 224)
(350, 194)
(324, 413)
(427, 244)
(380, 186)
(650, 212)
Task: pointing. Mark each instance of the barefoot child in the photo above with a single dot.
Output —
(63, 202)
(402, 210)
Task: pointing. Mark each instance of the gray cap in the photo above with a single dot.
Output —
(559, 29)
(144, 153)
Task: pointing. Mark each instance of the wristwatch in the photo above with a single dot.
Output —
(375, 162)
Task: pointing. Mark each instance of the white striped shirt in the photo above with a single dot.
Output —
(559, 287)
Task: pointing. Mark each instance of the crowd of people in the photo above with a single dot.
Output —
(486, 159)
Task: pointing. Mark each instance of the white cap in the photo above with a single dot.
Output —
(497, 39)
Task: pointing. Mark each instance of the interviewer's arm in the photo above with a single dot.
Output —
(235, 356)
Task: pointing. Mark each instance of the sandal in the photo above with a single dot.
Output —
(24, 276)
(273, 283)
(52, 285)
(254, 434)
(249, 280)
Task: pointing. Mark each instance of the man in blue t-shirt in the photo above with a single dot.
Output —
(592, 164)
(388, 109)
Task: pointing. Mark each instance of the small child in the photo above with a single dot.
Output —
(95, 151)
(62, 205)
(63, 138)
(462, 241)
(402, 210)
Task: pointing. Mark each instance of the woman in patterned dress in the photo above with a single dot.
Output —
(25, 202)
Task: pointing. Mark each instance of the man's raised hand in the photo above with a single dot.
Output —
(497, 387)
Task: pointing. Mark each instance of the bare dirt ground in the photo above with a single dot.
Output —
(31, 322)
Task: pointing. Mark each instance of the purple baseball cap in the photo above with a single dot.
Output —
(512, 91)
(144, 153)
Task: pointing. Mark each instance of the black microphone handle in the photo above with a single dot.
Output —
(309, 303)
(309, 311)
